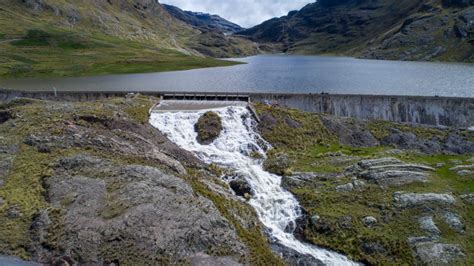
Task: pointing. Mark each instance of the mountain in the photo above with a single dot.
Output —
(203, 21)
(213, 34)
(89, 37)
(382, 29)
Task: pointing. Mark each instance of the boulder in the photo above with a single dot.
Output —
(345, 188)
(437, 253)
(408, 140)
(428, 225)
(291, 257)
(241, 187)
(465, 172)
(454, 222)
(369, 221)
(208, 128)
(373, 248)
(277, 164)
(468, 198)
(412, 200)
(349, 132)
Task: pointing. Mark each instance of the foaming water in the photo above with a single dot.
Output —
(277, 209)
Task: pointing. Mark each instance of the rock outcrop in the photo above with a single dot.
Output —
(390, 172)
(411, 200)
(208, 128)
(129, 205)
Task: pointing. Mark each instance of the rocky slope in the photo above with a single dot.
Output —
(203, 21)
(381, 192)
(382, 29)
(94, 183)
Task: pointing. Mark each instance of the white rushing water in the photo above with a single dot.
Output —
(276, 208)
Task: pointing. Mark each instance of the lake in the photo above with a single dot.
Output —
(285, 74)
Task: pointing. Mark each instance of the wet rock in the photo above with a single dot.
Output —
(294, 258)
(241, 187)
(468, 198)
(428, 225)
(208, 127)
(345, 188)
(411, 200)
(438, 253)
(277, 164)
(202, 259)
(454, 222)
(369, 221)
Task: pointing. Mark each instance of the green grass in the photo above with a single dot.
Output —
(60, 53)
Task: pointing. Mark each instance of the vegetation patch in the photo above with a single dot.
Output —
(208, 127)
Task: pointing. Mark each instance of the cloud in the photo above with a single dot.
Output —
(246, 13)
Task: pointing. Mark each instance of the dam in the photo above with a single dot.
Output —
(436, 111)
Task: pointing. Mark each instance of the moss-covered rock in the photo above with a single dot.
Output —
(277, 163)
(208, 127)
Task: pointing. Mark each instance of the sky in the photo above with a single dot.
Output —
(246, 13)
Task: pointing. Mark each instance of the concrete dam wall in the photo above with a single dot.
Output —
(436, 111)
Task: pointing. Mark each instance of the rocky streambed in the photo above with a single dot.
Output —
(95, 183)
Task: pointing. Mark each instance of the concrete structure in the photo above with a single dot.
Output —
(437, 111)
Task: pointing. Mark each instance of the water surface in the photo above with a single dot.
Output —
(286, 74)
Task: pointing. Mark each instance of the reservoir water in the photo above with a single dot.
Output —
(285, 74)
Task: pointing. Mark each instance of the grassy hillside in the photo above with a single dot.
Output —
(73, 38)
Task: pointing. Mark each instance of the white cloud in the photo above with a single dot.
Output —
(246, 13)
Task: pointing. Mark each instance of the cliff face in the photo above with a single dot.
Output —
(385, 29)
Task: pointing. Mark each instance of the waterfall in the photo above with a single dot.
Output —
(277, 208)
